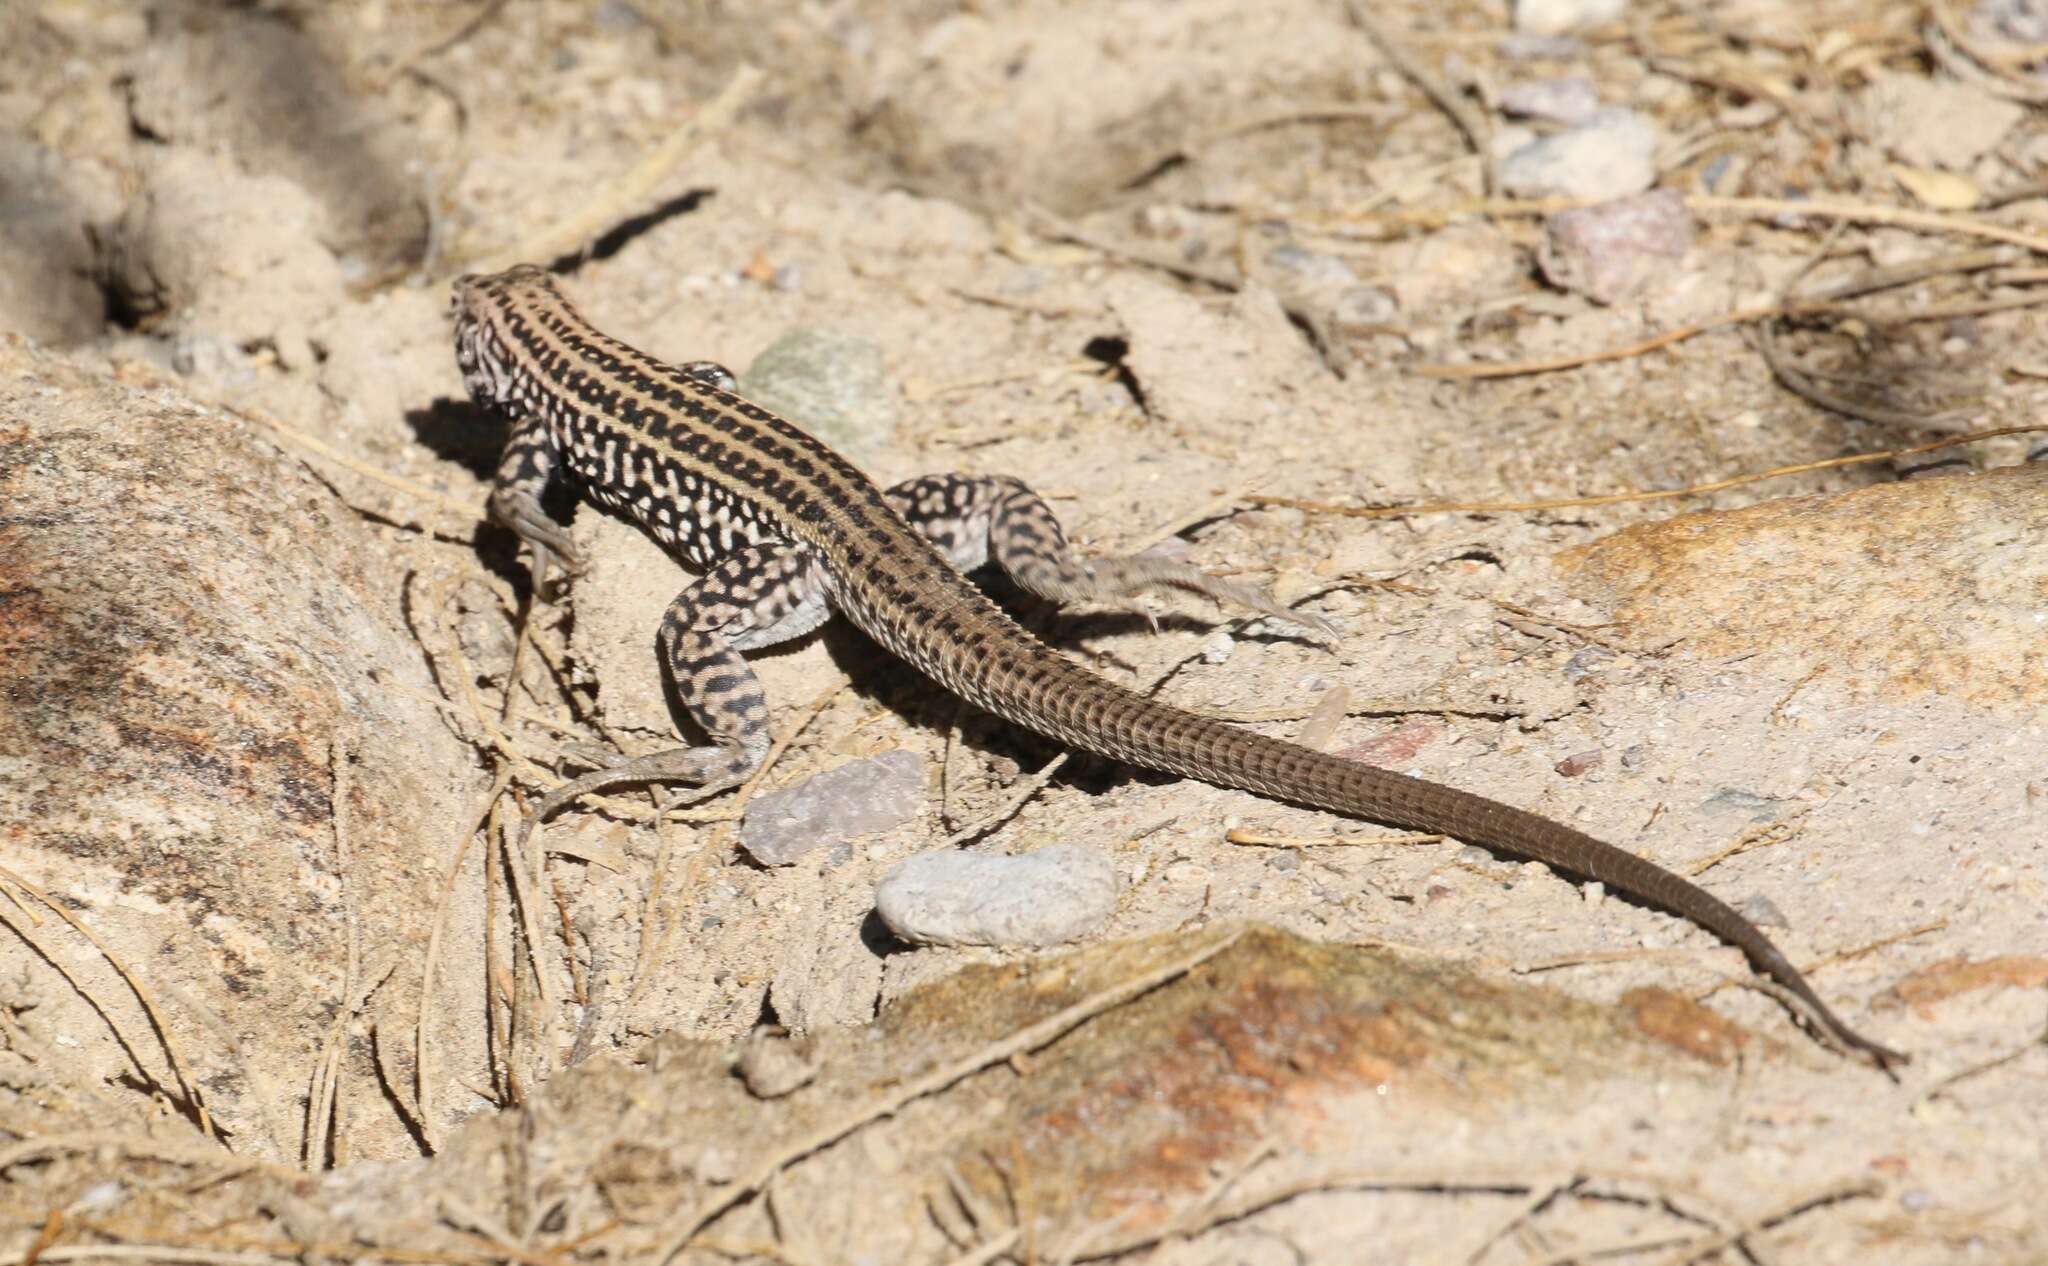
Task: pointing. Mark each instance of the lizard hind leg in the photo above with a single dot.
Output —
(755, 597)
(974, 519)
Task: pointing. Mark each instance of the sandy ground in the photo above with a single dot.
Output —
(1213, 277)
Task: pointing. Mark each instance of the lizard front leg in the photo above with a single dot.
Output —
(755, 597)
(529, 463)
(975, 518)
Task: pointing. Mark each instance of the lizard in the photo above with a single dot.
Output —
(783, 532)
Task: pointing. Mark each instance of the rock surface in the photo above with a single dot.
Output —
(259, 88)
(1049, 896)
(1120, 1125)
(1934, 586)
(46, 254)
(214, 752)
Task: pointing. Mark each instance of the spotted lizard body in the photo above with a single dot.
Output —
(785, 532)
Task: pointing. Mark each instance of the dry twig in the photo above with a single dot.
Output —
(1467, 120)
(1826, 301)
(409, 63)
(1653, 494)
(1839, 956)
(1270, 839)
(1846, 210)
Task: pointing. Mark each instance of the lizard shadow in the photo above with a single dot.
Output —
(881, 677)
(877, 675)
(462, 431)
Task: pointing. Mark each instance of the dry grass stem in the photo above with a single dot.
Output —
(1269, 839)
(1469, 121)
(188, 1085)
(1651, 494)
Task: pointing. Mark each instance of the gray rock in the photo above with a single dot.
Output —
(858, 798)
(829, 382)
(1733, 800)
(1763, 912)
(1569, 99)
(1611, 155)
(1312, 269)
(1555, 17)
(1611, 252)
(1056, 894)
(2021, 21)
(1585, 662)
(1527, 46)
(1364, 307)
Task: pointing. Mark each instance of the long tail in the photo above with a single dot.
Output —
(1083, 710)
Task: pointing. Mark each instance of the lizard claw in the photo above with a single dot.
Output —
(1113, 578)
(541, 532)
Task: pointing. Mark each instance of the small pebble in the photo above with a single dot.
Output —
(715, 1165)
(617, 16)
(1556, 17)
(1612, 251)
(2021, 21)
(1313, 269)
(1758, 809)
(1524, 46)
(1055, 894)
(1761, 911)
(1579, 762)
(1611, 155)
(858, 798)
(1569, 99)
(1362, 307)
(1586, 661)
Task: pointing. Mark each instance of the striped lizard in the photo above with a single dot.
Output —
(784, 531)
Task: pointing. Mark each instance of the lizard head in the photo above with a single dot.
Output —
(485, 307)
